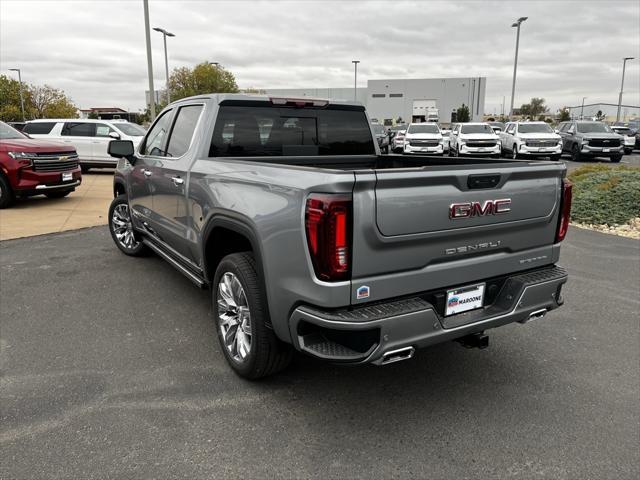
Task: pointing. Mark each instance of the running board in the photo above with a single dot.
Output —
(198, 281)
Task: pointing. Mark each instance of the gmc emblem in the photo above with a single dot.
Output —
(476, 209)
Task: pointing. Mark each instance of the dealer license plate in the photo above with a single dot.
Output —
(67, 177)
(464, 299)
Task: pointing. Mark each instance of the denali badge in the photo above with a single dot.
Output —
(472, 248)
(475, 209)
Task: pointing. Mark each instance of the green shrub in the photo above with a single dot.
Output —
(605, 195)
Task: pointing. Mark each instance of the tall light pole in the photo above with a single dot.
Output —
(165, 34)
(21, 97)
(515, 63)
(582, 109)
(147, 32)
(624, 65)
(355, 78)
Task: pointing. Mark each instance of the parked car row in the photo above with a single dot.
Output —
(89, 137)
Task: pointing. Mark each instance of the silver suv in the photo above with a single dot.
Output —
(590, 139)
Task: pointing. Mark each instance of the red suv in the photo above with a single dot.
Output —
(33, 167)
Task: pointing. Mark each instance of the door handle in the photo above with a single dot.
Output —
(177, 181)
(147, 173)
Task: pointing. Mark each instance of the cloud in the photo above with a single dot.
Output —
(95, 50)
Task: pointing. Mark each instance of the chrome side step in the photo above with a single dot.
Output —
(198, 281)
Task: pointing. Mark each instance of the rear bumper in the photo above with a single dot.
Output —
(365, 334)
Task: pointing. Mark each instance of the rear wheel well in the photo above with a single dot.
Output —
(220, 243)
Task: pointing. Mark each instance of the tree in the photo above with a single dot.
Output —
(462, 114)
(49, 102)
(564, 115)
(93, 116)
(534, 108)
(10, 110)
(203, 78)
(600, 116)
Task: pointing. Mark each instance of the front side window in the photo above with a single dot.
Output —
(183, 129)
(103, 130)
(242, 131)
(154, 144)
(38, 128)
(78, 129)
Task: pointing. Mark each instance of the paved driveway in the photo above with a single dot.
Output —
(111, 369)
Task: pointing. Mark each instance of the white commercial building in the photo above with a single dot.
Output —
(388, 100)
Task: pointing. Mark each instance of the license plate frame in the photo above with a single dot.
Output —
(67, 176)
(464, 299)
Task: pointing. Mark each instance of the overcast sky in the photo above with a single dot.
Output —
(95, 50)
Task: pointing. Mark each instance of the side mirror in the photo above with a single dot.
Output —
(555, 130)
(121, 149)
(115, 135)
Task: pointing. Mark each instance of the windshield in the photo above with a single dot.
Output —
(594, 127)
(378, 129)
(131, 129)
(482, 128)
(9, 133)
(423, 128)
(534, 128)
(623, 131)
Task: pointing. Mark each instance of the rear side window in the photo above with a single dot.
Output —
(280, 131)
(79, 129)
(155, 141)
(183, 129)
(39, 128)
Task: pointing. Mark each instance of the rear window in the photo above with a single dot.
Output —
(39, 128)
(131, 129)
(279, 131)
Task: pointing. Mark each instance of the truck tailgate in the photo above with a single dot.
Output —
(422, 229)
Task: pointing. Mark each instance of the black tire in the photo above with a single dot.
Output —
(616, 158)
(84, 168)
(575, 153)
(267, 354)
(137, 248)
(555, 158)
(7, 196)
(58, 194)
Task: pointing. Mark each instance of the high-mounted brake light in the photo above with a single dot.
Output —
(565, 210)
(328, 227)
(299, 102)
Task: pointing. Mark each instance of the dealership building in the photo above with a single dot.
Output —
(390, 99)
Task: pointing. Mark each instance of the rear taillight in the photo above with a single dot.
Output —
(565, 210)
(328, 226)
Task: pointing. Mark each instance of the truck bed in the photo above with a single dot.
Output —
(386, 162)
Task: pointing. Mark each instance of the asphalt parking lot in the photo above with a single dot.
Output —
(111, 369)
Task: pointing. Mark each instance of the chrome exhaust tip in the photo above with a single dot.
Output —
(397, 355)
(535, 315)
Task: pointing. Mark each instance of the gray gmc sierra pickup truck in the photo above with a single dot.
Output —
(311, 240)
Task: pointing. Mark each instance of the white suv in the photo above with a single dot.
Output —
(531, 139)
(476, 139)
(89, 137)
(423, 138)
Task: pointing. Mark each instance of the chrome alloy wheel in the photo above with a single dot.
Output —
(235, 317)
(122, 228)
